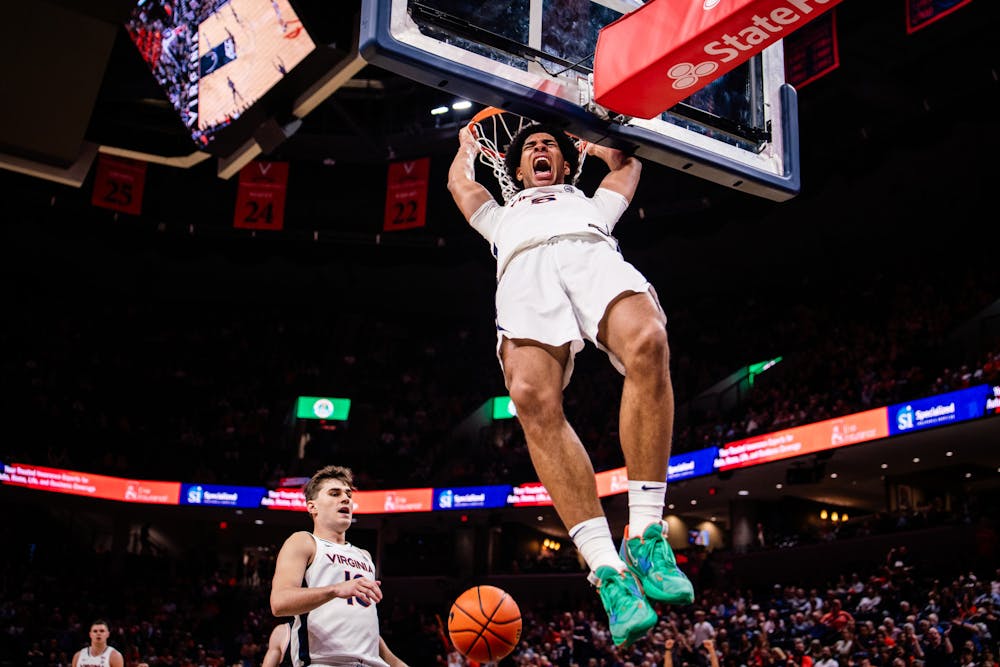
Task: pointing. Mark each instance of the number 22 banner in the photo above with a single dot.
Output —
(406, 195)
(260, 196)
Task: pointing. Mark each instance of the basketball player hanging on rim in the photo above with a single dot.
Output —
(328, 584)
(561, 281)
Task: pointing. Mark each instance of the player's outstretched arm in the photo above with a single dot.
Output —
(624, 173)
(468, 194)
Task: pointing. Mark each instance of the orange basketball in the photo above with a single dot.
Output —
(484, 623)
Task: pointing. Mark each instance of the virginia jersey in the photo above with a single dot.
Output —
(340, 632)
(101, 660)
(539, 215)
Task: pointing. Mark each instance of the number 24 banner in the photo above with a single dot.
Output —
(406, 195)
(260, 196)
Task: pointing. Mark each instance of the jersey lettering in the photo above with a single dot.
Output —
(354, 598)
(543, 199)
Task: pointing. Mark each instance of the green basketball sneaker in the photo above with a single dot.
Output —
(652, 561)
(630, 616)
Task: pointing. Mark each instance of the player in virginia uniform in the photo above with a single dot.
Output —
(98, 653)
(329, 585)
(561, 281)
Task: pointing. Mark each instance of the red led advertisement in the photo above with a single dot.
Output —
(829, 434)
(396, 500)
(93, 486)
(529, 495)
(612, 482)
(365, 502)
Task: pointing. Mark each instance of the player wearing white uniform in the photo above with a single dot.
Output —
(98, 653)
(329, 585)
(561, 281)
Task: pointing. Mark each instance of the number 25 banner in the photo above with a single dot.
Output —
(260, 197)
(406, 195)
(118, 184)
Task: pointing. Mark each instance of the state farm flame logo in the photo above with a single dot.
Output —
(685, 75)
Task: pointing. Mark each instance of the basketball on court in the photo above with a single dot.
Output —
(484, 623)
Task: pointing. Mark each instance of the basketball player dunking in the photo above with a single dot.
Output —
(328, 584)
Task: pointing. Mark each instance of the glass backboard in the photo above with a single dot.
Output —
(535, 58)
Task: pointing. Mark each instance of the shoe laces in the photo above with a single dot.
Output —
(621, 586)
(652, 549)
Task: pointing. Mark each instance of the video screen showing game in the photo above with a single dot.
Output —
(216, 59)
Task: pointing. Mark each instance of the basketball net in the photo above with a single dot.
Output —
(493, 129)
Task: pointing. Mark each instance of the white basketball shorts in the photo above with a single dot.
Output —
(558, 293)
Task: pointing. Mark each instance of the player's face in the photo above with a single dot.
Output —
(333, 505)
(99, 633)
(542, 162)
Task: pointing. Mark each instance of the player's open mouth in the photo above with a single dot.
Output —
(542, 167)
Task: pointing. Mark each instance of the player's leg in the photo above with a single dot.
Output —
(534, 375)
(634, 330)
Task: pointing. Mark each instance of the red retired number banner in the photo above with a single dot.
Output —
(406, 195)
(118, 184)
(811, 51)
(260, 198)
(921, 13)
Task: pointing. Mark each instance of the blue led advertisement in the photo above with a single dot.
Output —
(226, 496)
(471, 497)
(950, 408)
(692, 464)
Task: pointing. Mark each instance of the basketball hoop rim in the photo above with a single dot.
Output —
(483, 114)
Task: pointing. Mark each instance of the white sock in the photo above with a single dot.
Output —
(645, 505)
(593, 540)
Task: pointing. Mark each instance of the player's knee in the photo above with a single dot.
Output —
(648, 349)
(535, 401)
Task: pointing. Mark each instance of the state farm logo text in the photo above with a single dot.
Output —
(751, 38)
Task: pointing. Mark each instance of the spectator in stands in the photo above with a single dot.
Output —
(835, 620)
(937, 649)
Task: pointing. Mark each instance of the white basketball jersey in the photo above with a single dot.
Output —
(342, 631)
(539, 215)
(101, 660)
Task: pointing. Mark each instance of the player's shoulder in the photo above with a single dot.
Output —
(300, 539)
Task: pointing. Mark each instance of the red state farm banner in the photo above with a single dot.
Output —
(811, 52)
(922, 13)
(260, 196)
(119, 183)
(406, 195)
(652, 58)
